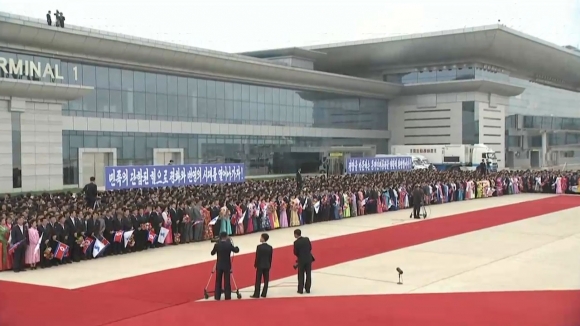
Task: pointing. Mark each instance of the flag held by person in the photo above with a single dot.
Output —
(61, 251)
(127, 237)
(151, 237)
(37, 247)
(15, 246)
(163, 232)
(86, 245)
(105, 241)
(99, 246)
(118, 236)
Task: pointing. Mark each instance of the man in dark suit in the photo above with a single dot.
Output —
(299, 180)
(262, 263)
(19, 235)
(62, 232)
(44, 231)
(117, 226)
(90, 191)
(417, 201)
(175, 221)
(223, 268)
(304, 260)
(74, 227)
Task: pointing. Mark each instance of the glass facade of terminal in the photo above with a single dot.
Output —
(132, 94)
(539, 123)
(129, 94)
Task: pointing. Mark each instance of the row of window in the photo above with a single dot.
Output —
(128, 94)
(542, 122)
(540, 100)
(262, 155)
(551, 123)
(136, 105)
(554, 139)
(442, 75)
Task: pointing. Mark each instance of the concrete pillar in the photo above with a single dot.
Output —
(544, 149)
(5, 146)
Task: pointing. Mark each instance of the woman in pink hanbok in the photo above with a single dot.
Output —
(379, 204)
(32, 256)
(167, 225)
(283, 214)
(469, 190)
(401, 198)
(564, 184)
(249, 215)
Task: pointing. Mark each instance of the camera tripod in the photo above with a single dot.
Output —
(207, 292)
(422, 212)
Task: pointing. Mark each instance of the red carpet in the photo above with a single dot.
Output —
(178, 287)
(541, 308)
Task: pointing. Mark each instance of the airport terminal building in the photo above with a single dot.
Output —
(75, 100)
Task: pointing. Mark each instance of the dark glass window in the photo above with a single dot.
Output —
(90, 102)
(139, 81)
(89, 76)
(427, 76)
(115, 101)
(102, 76)
(446, 75)
(115, 79)
(470, 123)
(182, 86)
(172, 85)
(102, 100)
(151, 83)
(127, 80)
(465, 73)
(16, 150)
(161, 85)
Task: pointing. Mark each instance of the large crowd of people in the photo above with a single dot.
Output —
(48, 230)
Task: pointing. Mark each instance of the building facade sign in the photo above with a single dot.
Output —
(24, 69)
(423, 150)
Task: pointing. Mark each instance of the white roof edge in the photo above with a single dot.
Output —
(126, 37)
(87, 32)
(465, 30)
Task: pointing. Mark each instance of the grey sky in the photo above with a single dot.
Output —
(235, 26)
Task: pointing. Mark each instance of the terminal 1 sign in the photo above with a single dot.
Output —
(24, 69)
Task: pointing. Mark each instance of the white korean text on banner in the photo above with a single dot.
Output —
(379, 164)
(127, 177)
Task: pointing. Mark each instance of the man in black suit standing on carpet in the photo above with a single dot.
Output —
(262, 263)
(19, 235)
(304, 260)
(223, 267)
